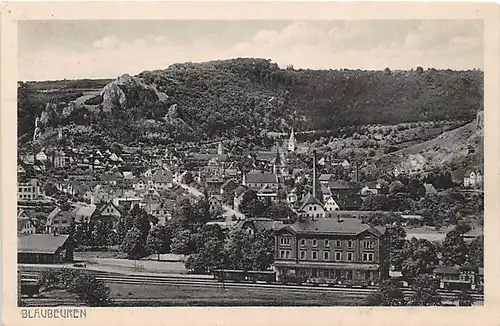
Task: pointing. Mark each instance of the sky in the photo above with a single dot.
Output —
(49, 50)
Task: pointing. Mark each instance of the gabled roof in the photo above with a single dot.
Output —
(40, 243)
(228, 182)
(309, 199)
(347, 226)
(21, 223)
(106, 204)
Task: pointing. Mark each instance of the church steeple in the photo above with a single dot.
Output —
(292, 142)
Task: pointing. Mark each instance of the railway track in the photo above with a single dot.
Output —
(203, 282)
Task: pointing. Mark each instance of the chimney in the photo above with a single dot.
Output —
(314, 174)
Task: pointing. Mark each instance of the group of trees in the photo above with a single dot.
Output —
(252, 206)
(414, 257)
(87, 288)
(425, 293)
(244, 96)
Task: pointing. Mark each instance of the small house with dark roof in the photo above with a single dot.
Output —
(44, 249)
(324, 179)
(163, 179)
(25, 226)
(110, 214)
(229, 186)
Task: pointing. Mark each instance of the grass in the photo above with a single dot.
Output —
(187, 295)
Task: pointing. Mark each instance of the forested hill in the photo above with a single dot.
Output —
(241, 97)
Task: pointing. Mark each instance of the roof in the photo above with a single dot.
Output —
(348, 226)
(109, 177)
(325, 177)
(40, 243)
(261, 224)
(446, 270)
(341, 184)
(239, 190)
(309, 199)
(261, 177)
(21, 222)
(325, 190)
(162, 175)
(228, 183)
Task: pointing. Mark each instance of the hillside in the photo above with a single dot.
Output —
(460, 150)
(241, 99)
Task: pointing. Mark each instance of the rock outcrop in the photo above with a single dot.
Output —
(480, 121)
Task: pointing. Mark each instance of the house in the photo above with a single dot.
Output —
(128, 175)
(159, 210)
(21, 171)
(239, 192)
(331, 250)
(327, 193)
(256, 180)
(213, 184)
(60, 220)
(341, 162)
(59, 159)
(341, 187)
(253, 225)
(311, 208)
(292, 197)
(44, 249)
(31, 190)
(473, 180)
(349, 202)
(162, 179)
(215, 204)
(371, 188)
(228, 186)
(41, 157)
(429, 189)
(457, 277)
(109, 178)
(324, 179)
(25, 226)
(110, 214)
(267, 193)
(140, 184)
(331, 205)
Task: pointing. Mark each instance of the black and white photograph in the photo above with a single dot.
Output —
(237, 163)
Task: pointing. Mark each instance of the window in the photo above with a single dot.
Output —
(285, 241)
(302, 242)
(368, 244)
(338, 243)
(349, 256)
(285, 254)
(315, 255)
(56, 221)
(367, 257)
(315, 243)
(326, 255)
(64, 221)
(302, 254)
(349, 244)
(338, 255)
(327, 243)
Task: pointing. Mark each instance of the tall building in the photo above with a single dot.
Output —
(292, 142)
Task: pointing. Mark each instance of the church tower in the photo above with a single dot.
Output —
(292, 142)
(220, 150)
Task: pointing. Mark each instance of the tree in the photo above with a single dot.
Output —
(387, 294)
(263, 249)
(465, 299)
(155, 242)
(210, 252)
(426, 292)
(239, 250)
(141, 220)
(419, 256)
(133, 244)
(182, 243)
(476, 252)
(396, 239)
(454, 248)
(92, 291)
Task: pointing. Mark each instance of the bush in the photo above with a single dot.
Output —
(90, 290)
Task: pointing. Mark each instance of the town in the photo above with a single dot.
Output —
(287, 215)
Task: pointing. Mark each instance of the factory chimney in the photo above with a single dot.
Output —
(314, 174)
